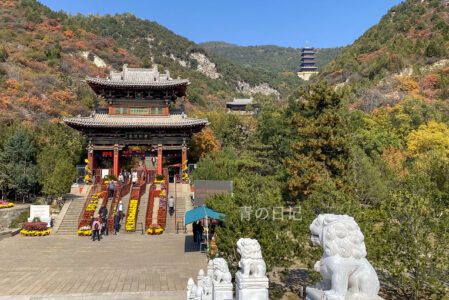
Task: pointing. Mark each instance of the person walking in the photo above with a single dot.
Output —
(111, 188)
(117, 219)
(171, 206)
(96, 227)
(195, 229)
(199, 232)
(121, 178)
(134, 177)
(120, 210)
(104, 220)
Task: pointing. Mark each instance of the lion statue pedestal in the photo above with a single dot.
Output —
(347, 274)
(251, 281)
(222, 279)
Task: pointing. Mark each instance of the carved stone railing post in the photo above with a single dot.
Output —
(221, 278)
(191, 290)
(216, 284)
(251, 280)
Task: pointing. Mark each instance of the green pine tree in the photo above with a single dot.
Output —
(321, 139)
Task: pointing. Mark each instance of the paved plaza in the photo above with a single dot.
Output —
(126, 266)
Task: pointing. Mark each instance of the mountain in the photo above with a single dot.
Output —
(269, 57)
(412, 35)
(45, 55)
(405, 54)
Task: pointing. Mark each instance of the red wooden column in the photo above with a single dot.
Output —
(159, 159)
(90, 158)
(115, 161)
(183, 155)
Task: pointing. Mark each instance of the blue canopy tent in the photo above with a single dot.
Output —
(201, 212)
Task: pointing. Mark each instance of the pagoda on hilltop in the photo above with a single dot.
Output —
(307, 66)
(140, 122)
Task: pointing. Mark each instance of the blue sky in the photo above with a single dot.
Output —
(323, 23)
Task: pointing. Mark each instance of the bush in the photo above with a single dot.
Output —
(22, 218)
(35, 226)
(3, 54)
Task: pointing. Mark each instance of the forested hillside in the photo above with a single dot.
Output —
(270, 58)
(44, 56)
(407, 50)
(373, 143)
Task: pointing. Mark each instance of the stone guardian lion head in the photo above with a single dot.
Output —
(249, 248)
(338, 235)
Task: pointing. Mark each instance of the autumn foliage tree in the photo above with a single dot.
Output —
(203, 142)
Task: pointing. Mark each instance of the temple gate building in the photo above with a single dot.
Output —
(141, 121)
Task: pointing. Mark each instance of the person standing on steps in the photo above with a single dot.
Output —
(117, 219)
(134, 177)
(120, 210)
(104, 220)
(171, 206)
(111, 188)
(195, 229)
(96, 227)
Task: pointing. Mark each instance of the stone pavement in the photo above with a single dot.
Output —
(126, 266)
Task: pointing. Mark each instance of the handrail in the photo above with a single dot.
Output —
(115, 199)
(136, 193)
(180, 224)
(92, 191)
(86, 217)
(150, 208)
(121, 191)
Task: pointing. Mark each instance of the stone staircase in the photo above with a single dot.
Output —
(67, 222)
(141, 215)
(125, 200)
(182, 204)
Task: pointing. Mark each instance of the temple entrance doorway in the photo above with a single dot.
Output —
(103, 159)
(172, 161)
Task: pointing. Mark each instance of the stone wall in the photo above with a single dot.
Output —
(9, 214)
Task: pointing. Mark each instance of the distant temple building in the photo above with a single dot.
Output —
(140, 121)
(242, 106)
(307, 66)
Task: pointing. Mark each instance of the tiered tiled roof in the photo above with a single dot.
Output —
(137, 77)
(241, 102)
(101, 120)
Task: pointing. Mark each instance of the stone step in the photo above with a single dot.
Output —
(141, 215)
(69, 222)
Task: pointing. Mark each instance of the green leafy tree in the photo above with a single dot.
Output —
(19, 159)
(57, 172)
(415, 239)
(249, 213)
(60, 149)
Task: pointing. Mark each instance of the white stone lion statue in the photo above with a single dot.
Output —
(251, 262)
(346, 272)
(221, 272)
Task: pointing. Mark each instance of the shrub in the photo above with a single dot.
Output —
(34, 226)
(3, 54)
(17, 222)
